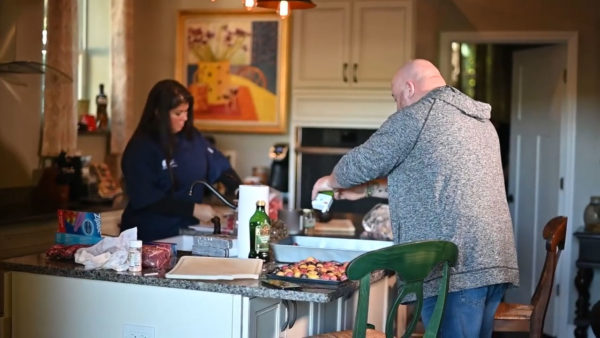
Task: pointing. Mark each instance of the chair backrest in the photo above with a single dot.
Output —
(554, 233)
(412, 262)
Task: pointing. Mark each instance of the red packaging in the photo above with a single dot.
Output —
(63, 252)
(156, 255)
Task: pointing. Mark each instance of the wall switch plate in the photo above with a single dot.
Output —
(137, 331)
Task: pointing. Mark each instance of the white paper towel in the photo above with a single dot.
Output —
(249, 194)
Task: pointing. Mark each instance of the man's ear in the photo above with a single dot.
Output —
(410, 86)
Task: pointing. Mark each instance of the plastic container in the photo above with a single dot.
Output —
(135, 256)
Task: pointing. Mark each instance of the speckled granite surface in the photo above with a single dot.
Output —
(39, 264)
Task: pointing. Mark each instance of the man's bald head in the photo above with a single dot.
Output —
(415, 79)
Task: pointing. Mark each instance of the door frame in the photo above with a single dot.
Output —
(567, 140)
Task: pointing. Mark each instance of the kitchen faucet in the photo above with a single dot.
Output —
(214, 191)
(216, 221)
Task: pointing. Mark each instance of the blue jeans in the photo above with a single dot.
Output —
(468, 313)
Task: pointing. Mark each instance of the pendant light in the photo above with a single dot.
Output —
(249, 4)
(284, 7)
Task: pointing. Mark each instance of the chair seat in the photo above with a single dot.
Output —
(513, 311)
(348, 334)
(512, 317)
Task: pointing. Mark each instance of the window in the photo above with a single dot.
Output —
(94, 50)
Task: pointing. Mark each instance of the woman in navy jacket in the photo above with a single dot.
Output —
(165, 155)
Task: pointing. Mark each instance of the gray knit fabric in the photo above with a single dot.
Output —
(441, 156)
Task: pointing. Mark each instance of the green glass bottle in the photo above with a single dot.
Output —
(260, 229)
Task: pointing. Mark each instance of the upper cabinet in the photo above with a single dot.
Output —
(351, 43)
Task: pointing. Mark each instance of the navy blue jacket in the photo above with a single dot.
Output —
(157, 206)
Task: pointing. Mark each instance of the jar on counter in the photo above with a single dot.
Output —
(591, 215)
(135, 256)
(307, 221)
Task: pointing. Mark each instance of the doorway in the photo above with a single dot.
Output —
(498, 84)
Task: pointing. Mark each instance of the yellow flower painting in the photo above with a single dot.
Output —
(235, 66)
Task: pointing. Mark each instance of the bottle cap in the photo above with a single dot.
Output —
(135, 244)
(260, 203)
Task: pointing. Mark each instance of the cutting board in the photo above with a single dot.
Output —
(214, 268)
(335, 227)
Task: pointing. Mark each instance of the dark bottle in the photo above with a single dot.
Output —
(260, 229)
(101, 111)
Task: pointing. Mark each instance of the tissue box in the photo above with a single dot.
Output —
(71, 239)
(79, 223)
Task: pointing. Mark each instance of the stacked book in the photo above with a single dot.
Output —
(215, 246)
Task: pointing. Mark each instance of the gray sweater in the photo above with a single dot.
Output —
(441, 156)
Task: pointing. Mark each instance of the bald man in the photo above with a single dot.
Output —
(437, 160)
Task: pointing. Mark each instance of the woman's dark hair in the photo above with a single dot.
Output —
(156, 121)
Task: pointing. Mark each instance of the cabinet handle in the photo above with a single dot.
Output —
(354, 72)
(287, 314)
(293, 319)
(345, 71)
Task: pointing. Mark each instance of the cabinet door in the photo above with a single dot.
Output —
(321, 46)
(264, 318)
(297, 315)
(381, 41)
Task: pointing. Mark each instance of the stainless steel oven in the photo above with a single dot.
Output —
(317, 152)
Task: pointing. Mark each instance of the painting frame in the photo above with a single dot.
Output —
(250, 102)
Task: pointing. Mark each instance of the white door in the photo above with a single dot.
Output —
(538, 93)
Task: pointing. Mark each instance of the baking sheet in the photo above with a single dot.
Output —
(296, 248)
(307, 281)
(215, 268)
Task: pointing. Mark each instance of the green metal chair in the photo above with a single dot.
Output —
(412, 262)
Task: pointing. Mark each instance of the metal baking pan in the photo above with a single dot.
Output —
(308, 281)
(296, 248)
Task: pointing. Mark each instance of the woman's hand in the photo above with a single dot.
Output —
(204, 212)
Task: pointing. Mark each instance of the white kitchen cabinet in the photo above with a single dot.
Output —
(351, 43)
(264, 317)
(294, 319)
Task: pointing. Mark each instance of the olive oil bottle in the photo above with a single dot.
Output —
(260, 229)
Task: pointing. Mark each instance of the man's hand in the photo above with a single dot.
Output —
(204, 212)
(325, 183)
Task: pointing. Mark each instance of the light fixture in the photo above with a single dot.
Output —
(284, 7)
(249, 4)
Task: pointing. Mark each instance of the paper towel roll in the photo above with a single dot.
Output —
(249, 194)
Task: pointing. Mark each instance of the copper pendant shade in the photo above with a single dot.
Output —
(293, 4)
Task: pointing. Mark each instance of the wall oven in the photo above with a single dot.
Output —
(317, 152)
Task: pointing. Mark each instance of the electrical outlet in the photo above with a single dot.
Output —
(137, 331)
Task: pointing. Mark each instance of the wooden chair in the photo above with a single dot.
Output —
(412, 262)
(530, 317)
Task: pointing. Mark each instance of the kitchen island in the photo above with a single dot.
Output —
(45, 298)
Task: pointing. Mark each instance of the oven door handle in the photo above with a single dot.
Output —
(323, 150)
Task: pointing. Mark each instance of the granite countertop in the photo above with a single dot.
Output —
(39, 264)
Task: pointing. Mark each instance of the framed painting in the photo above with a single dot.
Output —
(235, 64)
